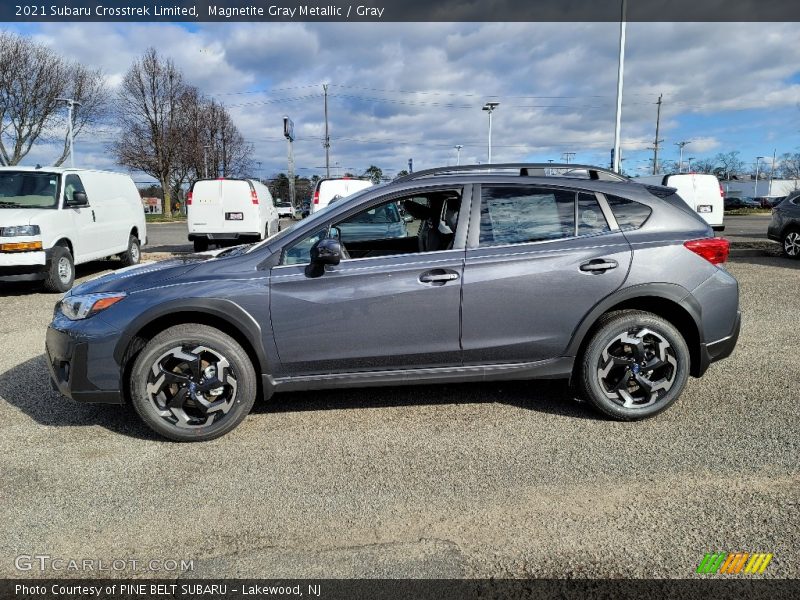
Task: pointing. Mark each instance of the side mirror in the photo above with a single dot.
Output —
(408, 219)
(327, 251)
(78, 199)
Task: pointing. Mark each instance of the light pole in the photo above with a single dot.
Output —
(205, 160)
(689, 162)
(489, 107)
(680, 161)
(458, 148)
(71, 103)
(755, 185)
(620, 74)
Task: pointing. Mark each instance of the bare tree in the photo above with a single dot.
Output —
(32, 79)
(730, 164)
(704, 165)
(789, 165)
(149, 114)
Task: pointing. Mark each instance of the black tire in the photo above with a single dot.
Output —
(790, 243)
(609, 370)
(60, 270)
(133, 254)
(169, 372)
(200, 244)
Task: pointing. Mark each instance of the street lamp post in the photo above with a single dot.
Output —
(689, 162)
(71, 103)
(620, 75)
(680, 161)
(458, 148)
(489, 107)
(755, 185)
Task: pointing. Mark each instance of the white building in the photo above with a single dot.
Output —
(763, 188)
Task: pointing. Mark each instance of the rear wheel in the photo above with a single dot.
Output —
(635, 365)
(133, 254)
(200, 244)
(192, 383)
(60, 270)
(791, 243)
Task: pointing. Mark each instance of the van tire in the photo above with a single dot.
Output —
(60, 270)
(200, 244)
(133, 254)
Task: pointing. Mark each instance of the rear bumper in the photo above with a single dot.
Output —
(225, 235)
(69, 363)
(721, 348)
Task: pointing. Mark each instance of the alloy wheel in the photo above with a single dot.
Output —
(637, 368)
(791, 243)
(192, 386)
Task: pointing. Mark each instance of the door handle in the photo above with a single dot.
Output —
(93, 217)
(438, 276)
(599, 265)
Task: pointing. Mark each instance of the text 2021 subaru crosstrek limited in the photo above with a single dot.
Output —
(510, 272)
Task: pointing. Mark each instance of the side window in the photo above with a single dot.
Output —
(591, 219)
(629, 214)
(72, 184)
(299, 253)
(520, 214)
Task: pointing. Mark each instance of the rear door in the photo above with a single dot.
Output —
(538, 259)
(206, 213)
(240, 208)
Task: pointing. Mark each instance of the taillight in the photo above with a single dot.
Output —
(316, 196)
(721, 191)
(253, 196)
(189, 199)
(714, 250)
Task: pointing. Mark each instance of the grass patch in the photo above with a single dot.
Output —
(164, 219)
(749, 211)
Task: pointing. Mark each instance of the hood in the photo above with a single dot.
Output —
(20, 216)
(144, 276)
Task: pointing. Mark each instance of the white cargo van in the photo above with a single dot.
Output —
(52, 219)
(702, 192)
(223, 210)
(328, 189)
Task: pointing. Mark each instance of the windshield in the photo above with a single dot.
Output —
(25, 189)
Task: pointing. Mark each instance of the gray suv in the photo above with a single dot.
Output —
(513, 271)
(785, 225)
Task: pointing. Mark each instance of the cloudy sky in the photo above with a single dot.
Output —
(402, 90)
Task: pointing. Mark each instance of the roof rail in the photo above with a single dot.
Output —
(524, 170)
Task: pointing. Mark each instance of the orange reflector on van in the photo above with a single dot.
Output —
(21, 247)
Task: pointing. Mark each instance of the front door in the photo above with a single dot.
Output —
(394, 304)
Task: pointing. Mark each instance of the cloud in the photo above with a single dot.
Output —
(402, 90)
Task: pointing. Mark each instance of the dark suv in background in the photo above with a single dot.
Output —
(511, 271)
(785, 225)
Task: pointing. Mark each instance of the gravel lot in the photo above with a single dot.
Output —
(493, 480)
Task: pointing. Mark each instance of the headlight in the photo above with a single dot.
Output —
(19, 230)
(76, 308)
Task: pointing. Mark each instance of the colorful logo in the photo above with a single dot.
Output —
(731, 564)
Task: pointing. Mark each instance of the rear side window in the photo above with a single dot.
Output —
(629, 214)
(591, 219)
(520, 214)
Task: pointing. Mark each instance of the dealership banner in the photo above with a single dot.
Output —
(401, 10)
(380, 589)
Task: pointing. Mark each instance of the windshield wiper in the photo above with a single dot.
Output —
(235, 251)
(11, 204)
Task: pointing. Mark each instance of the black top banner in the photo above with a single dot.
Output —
(266, 11)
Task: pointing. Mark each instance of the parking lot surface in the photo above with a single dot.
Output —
(492, 480)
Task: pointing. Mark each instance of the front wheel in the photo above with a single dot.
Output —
(635, 365)
(192, 383)
(133, 254)
(791, 243)
(60, 273)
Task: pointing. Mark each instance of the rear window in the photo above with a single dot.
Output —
(629, 214)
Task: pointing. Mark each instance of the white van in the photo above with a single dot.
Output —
(702, 192)
(52, 219)
(328, 189)
(222, 210)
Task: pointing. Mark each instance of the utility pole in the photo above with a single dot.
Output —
(458, 148)
(327, 142)
(620, 76)
(288, 133)
(772, 172)
(657, 141)
(680, 161)
(71, 103)
(567, 157)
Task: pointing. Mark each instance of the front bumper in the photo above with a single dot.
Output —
(23, 266)
(70, 360)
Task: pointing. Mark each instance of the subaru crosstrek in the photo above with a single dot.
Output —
(512, 271)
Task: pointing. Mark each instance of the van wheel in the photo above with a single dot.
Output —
(192, 383)
(60, 270)
(200, 244)
(133, 254)
(635, 365)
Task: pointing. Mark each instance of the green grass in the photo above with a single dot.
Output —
(164, 219)
(749, 211)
